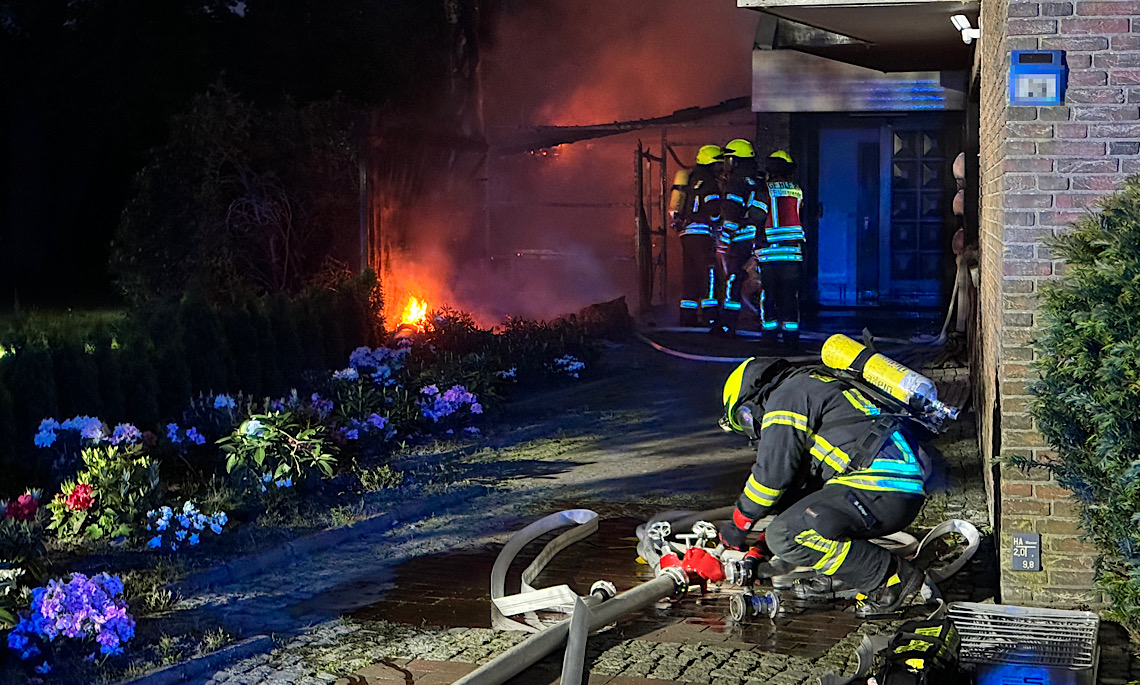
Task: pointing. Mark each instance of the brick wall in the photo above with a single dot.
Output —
(1040, 168)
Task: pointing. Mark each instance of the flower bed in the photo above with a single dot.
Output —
(209, 483)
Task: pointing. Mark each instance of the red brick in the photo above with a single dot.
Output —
(1115, 130)
(1079, 579)
(1068, 544)
(1067, 509)
(1016, 320)
(1068, 201)
(1023, 9)
(1098, 96)
(1029, 131)
(1019, 320)
(1028, 201)
(1017, 422)
(1056, 182)
(1027, 268)
(1019, 252)
(1052, 492)
(1013, 406)
(1017, 218)
(1081, 563)
(1025, 506)
(1108, 9)
(1072, 130)
(1088, 78)
(1027, 164)
(1127, 113)
(1017, 389)
(1041, 27)
(1018, 354)
(1087, 26)
(1114, 60)
(1059, 218)
(1075, 44)
(1015, 148)
(1017, 489)
(1087, 166)
(1125, 77)
(1020, 113)
(1057, 9)
(1059, 526)
(1122, 44)
(1018, 285)
(1094, 182)
(1130, 166)
(1018, 336)
(1071, 148)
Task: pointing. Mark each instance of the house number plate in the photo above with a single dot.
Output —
(1026, 552)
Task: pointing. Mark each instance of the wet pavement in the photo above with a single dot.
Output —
(452, 591)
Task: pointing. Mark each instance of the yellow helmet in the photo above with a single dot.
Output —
(709, 154)
(744, 386)
(780, 154)
(739, 148)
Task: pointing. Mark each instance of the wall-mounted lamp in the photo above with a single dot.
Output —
(969, 34)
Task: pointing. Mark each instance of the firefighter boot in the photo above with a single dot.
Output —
(820, 586)
(901, 584)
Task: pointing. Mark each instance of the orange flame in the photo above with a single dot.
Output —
(414, 312)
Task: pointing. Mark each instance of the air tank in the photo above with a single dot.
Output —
(907, 386)
(677, 197)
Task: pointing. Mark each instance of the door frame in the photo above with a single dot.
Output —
(805, 131)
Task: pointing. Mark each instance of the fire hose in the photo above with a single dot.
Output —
(602, 607)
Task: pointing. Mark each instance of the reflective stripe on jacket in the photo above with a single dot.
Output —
(811, 427)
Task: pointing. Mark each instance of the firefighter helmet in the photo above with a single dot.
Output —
(745, 385)
(709, 154)
(780, 154)
(739, 148)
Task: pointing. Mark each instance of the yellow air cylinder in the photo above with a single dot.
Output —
(907, 386)
(677, 197)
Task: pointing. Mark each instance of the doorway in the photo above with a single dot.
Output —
(884, 222)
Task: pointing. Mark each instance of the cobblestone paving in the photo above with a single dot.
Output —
(332, 652)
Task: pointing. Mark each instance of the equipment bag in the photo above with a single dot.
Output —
(921, 653)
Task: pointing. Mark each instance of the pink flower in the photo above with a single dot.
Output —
(23, 509)
(81, 498)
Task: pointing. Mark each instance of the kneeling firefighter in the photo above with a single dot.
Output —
(837, 470)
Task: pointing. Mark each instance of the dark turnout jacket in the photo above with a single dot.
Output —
(811, 428)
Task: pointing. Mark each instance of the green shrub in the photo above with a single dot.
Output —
(76, 377)
(1087, 403)
(205, 345)
(33, 383)
(278, 445)
(112, 401)
(244, 360)
(110, 496)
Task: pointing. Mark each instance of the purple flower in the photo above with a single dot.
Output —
(349, 374)
(429, 390)
(43, 669)
(125, 433)
(351, 434)
(321, 405)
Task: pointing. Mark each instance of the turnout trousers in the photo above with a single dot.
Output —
(830, 530)
(780, 297)
(736, 256)
(699, 301)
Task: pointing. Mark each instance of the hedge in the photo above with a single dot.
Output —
(145, 367)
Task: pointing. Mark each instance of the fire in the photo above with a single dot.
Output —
(414, 312)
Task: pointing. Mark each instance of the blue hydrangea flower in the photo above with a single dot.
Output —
(172, 433)
(156, 541)
(349, 374)
(125, 433)
(350, 434)
(44, 439)
(253, 428)
(195, 437)
(43, 669)
(193, 538)
(223, 402)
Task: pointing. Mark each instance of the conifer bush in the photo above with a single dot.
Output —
(1087, 402)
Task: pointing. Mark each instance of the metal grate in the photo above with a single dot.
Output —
(1003, 634)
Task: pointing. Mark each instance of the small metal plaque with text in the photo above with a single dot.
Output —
(1026, 554)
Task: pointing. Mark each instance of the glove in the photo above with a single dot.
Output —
(752, 559)
(731, 536)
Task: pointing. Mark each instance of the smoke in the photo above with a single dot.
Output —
(557, 233)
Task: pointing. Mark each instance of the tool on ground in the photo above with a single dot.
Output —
(747, 605)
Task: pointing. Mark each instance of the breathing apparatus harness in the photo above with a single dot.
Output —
(897, 416)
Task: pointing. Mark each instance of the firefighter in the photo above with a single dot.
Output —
(779, 251)
(836, 470)
(745, 207)
(699, 226)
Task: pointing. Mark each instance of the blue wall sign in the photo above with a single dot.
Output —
(1037, 78)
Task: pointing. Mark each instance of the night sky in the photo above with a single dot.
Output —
(95, 84)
